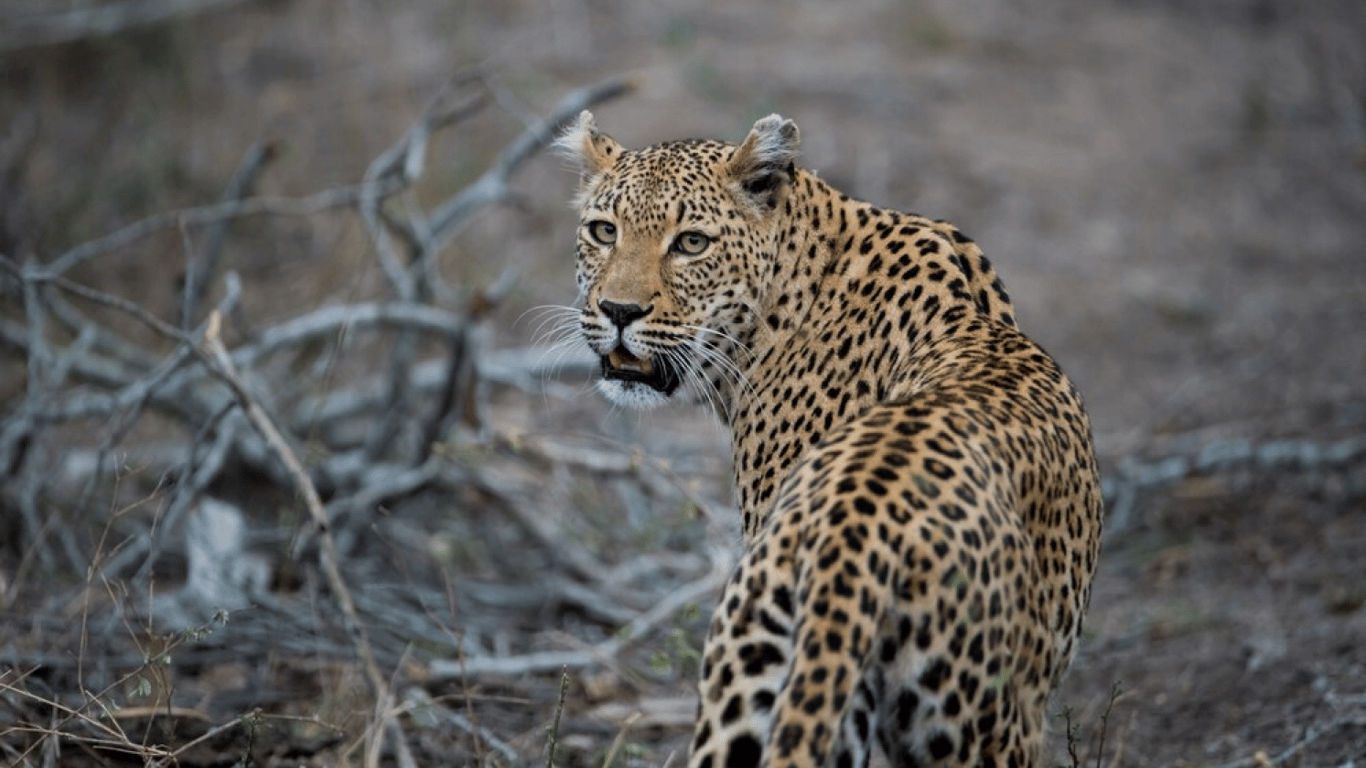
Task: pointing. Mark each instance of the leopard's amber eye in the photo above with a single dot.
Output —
(604, 232)
(691, 243)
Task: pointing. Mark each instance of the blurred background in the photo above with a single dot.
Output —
(1173, 191)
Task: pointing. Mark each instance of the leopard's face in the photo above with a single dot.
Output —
(676, 245)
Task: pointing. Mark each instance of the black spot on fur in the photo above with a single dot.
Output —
(744, 752)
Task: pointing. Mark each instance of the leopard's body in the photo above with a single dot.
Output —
(920, 499)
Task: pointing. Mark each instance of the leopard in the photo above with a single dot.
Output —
(919, 496)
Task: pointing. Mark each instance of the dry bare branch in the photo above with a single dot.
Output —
(412, 276)
(1133, 476)
(693, 593)
(199, 274)
(309, 205)
(405, 161)
(330, 562)
(420, 703)
(222, 407)
(492, 187)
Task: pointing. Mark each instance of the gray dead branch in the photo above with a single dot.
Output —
(1133, 479)
(101, 375)
(75, 450)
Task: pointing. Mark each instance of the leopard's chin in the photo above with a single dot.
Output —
(631, 394)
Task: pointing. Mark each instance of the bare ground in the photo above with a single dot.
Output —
(1175, 193)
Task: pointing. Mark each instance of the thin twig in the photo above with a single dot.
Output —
(610, 760)
(491, 187)
(213, 346)
(211, 733)
(1115, 691)
(200, 273)
(554, 739)
(1072, 736)
(417, 699)
(605, 652)
(252, 206)
(406, 273)
(34, 275)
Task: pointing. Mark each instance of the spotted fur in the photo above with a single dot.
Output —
(920, 499)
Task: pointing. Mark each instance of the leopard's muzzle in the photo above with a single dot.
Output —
(656, 373)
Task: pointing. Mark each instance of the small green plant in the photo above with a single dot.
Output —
(678, 656)
(621, 753)
(142, 688)
(1256, 118)
(932, 32)
(678, 33)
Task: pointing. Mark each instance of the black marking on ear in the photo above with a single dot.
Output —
(762, 184)
(764, 163)
(766, 182)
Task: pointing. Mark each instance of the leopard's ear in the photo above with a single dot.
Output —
(591, 151)
(765, 162)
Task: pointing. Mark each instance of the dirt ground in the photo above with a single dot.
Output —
(1174, 192)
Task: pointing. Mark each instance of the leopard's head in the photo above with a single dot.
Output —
(677, 247)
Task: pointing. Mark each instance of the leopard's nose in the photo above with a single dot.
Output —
(623, 315)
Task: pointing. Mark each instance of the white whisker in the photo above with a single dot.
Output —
(710, 351)
(548, 314)
(734, 342)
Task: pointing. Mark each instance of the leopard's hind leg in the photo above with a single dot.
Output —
(752, 677)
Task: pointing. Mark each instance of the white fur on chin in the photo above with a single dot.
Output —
(631, 394)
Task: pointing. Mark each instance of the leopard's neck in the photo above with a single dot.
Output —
(861, 302)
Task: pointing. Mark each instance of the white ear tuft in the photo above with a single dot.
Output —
(588, 149)
(772, 141)
(570, 141)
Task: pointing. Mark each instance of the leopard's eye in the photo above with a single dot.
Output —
(605, 232)
(691, 243)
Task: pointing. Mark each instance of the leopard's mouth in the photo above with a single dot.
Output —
(621, 365)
